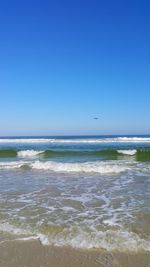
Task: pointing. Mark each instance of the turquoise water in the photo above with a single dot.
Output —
(78, 191)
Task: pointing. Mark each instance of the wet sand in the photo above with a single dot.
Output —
(33, 254)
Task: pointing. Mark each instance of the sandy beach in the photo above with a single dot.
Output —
(75, 133)
(33, 254)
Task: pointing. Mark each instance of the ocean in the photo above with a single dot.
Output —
(79, 191)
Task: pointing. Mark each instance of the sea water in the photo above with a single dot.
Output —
(84, 192)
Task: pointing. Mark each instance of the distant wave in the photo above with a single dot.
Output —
(69, 153)
(109, 154)
(25, 140)
(133, 139)
(78, 140)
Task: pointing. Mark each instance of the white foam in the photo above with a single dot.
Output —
(44, 239)
(27, 238)
(127, 152)
(111, 221)
(110, 240)
(104, 140)
(6, 227)
(133, 139)
(12, 164)
(28, 153)
(96, 167)
(121, 240)
(25, 140)
(87, 167)
(77, 140)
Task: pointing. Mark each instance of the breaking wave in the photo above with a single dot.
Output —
(120, 240)
(97, 167)
(127, 152)
(28, 153)
(25, 140)
(78, 140)
(110, 240)
(109, 154)
(87, 167)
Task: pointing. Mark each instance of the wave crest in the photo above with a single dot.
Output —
(87, 167)
(78, 140)
(28, 153)
(120, 240)
(127, 152)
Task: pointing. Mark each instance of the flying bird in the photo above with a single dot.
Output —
(95, 118)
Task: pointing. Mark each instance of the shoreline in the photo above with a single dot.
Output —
(33, 254)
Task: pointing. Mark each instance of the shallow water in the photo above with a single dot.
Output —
(84, 192)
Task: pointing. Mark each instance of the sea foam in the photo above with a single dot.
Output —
(121, 240)
(127, 152)
(28, 153)
(110, 240)
(96, 167)
(87, 167)
(76, 140)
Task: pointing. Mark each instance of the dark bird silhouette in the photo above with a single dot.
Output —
(95, 118)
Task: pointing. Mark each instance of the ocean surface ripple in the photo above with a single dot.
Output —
(84, 192)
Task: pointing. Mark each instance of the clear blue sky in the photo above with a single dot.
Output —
(64, 62)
